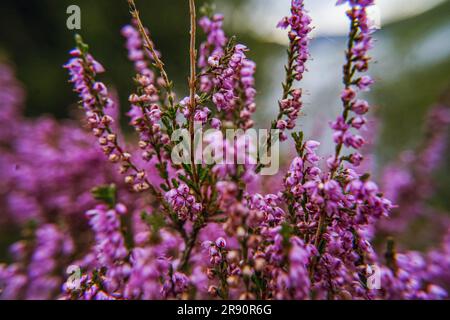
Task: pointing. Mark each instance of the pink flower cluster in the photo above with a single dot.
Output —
(300, 27)
(352, 120)
(183, 202)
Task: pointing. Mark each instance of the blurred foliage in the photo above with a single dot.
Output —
(416, 86)
(418, 83)
(33, 35)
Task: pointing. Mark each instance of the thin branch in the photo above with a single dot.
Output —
(322, 227)
(193, 82)
(150, 46)
(192, 94)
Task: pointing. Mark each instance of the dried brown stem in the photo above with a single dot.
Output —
(150, 46)
(193, 82)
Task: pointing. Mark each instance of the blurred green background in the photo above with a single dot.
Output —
(412, 57)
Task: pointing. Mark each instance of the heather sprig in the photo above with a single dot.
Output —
(84, 69)
(290, 105)
(155, 56)
(299, 24)
(357, 61)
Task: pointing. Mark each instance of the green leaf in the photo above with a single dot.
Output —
(207, 9)
(190, 184)
(83, 47)
(106, 194)
(204, 175)
(155, 221)
(286, 232)
(166, 121)
(187, 168)
(298, 138)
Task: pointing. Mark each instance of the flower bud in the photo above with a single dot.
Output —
(114, 158)
(129, 179)
(111, 137)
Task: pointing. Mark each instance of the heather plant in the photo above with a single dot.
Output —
(200, 230)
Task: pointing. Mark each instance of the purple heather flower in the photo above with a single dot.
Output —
(183, 202)
(299, 23)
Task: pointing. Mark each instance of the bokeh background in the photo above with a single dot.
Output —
(412, 59)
